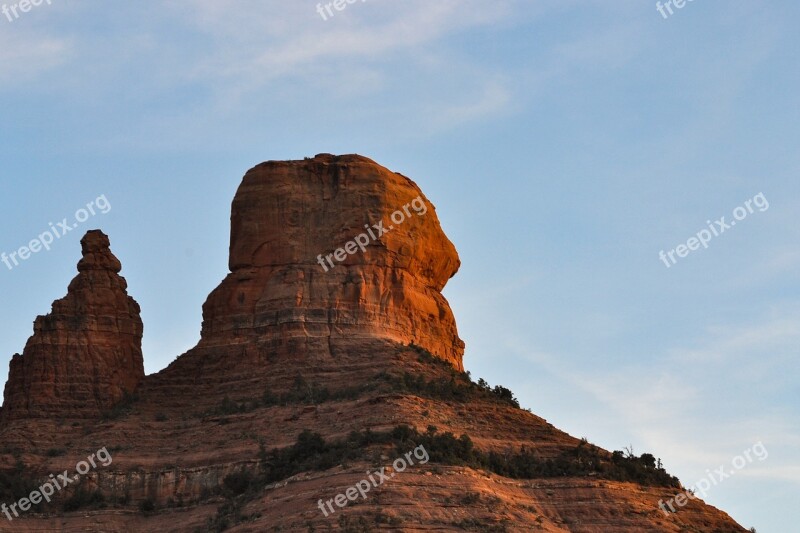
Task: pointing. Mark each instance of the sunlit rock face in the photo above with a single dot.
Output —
(289, 290)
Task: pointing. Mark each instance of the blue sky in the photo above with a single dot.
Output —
(564, 143)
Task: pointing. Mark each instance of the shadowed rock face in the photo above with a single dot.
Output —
(287, 216)
(86, 354)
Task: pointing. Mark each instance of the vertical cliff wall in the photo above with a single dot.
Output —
(288, 287)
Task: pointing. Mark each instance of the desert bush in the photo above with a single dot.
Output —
(147, 506)
(16, 483)
(83, 498)
(238, 482)
(122, 408)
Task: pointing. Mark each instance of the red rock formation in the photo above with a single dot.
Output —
(86, 354)
(280, 318)
(282, 293)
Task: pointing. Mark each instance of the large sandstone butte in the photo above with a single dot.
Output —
(86, 355)
(288, 213)
(279, 309)
(364, 356)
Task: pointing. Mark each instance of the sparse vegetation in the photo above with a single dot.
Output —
(16, 483)
(122, 408)
(239, 482)
(583, 460)
(471, 498)
(459, 386)
(301, 393)
(82, 498)
(355, 525)
(384, 518)
(472, 524)
(455, 386)
(312, 452)
(147, 506)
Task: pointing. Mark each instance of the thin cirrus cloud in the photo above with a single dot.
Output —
(251, 40)
(262, 41)
(492, 98)
(772, 338)
(25, 55)
(350, 55)
(232, 57)
(668, 414)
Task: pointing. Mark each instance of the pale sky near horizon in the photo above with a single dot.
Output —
(564, 143)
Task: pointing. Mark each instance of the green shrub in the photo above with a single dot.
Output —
(457, 386)
(122, 408)
(470, 498)
(355, 525)
(83, 499)
(16, 483)
(312, 452)
(147, 506)
(238, 482)
(301, 393)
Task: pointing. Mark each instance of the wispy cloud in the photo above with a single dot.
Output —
(25, 55)
(269, 40)
(492, 98)
(700, 404)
